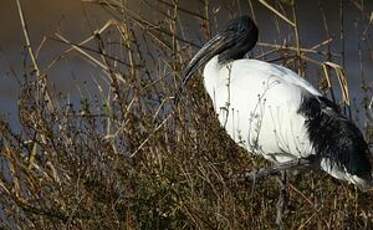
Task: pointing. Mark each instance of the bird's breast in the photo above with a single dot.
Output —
(258, 107)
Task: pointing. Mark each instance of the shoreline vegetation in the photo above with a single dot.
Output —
(121, 160)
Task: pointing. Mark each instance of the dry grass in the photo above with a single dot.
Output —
(122, 160)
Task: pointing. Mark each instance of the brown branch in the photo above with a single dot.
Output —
(183, 10)
(370, 110)
(27, 38)
(31, 53)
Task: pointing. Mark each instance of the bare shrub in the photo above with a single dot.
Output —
(129, 159)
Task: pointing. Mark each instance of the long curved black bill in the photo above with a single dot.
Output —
(215, 46)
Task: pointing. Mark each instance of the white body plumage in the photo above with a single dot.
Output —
(257, 103)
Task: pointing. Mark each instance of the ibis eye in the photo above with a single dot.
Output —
(242, 29)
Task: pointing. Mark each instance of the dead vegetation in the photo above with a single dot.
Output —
(122, 159)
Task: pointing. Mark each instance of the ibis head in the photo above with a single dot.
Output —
(232, 43)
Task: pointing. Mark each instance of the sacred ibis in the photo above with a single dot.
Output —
(272, 111)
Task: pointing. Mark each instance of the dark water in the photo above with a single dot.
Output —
(76, 21)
